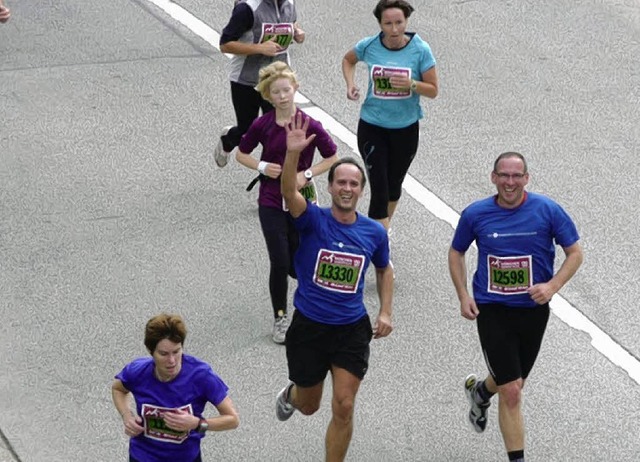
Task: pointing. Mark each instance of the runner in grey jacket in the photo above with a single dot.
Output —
(258, 33)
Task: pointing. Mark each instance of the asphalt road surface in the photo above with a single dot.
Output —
(111, 210)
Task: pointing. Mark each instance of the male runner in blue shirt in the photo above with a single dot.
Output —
(331, 330)
(516, 233)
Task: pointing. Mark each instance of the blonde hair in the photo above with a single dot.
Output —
(271, 73)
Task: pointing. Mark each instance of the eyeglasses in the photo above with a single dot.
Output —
(513, 176)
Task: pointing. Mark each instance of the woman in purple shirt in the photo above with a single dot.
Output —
(278, 84)
(171, 390)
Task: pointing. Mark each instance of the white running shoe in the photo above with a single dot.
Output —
(478, 411)
(219, 154)
(284, 409)
(280, 327)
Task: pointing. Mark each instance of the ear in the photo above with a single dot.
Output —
(494, 178)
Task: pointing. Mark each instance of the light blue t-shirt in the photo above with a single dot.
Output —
(331, 263)
(385, 106)
(516, 247)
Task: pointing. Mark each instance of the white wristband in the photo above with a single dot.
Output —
(262, 166)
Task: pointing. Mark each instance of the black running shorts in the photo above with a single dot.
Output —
(313, 347)
(511, 339)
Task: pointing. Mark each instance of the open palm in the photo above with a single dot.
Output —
(296, 130)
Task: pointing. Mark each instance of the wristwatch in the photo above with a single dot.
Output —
(203, 426)
(308, 174)
(414, 85)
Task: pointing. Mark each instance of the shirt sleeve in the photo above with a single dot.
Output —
(361, 46)
(380, 257)
(251, 139)
(129, 374)
(463, 235)
(565, 232)
(241, 21)
(308, 218)
(215, 389)
(428, 61)
(323, 141)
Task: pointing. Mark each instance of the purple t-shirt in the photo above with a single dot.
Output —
(273, 138)
(195, 385)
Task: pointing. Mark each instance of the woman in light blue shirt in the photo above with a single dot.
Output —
(401, 70)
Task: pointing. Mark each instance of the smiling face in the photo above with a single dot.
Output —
(168, 359)
(510, 178)
(282, 92)
(393, 24)
(346, 187)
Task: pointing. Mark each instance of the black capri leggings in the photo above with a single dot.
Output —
(282, 240)
(247, 103)
(387, 155)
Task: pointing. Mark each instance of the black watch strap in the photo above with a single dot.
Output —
(203, 426)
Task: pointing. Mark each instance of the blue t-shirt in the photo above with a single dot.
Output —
(515, 246)
(331, 263)
(384, 106)
(195, 385)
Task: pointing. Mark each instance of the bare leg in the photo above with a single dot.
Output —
(391, 209)
(510, 414)
(384, 222)
(345, 388)
(306, 399)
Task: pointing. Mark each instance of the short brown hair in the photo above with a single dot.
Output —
(509, 155)
(382, 5)
(164, 326)
(346, 160)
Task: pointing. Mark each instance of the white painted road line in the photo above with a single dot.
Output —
(567, 313)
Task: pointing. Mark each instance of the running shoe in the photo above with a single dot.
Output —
(219, 154)
(478, 411)
(280, 327)
(284, 409)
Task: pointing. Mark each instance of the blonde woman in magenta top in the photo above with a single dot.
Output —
(278, 85)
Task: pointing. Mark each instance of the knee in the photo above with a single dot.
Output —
(343, 409)
(309, 408)
(511, 393)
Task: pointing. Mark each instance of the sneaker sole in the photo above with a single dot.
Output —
(218, 154)
(470, 382)
(282, 417)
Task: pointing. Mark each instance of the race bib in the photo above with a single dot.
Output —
(338, 271)
(382, 85)
(509, 275)
(283, 33)
(155, 426)
(308, 191)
